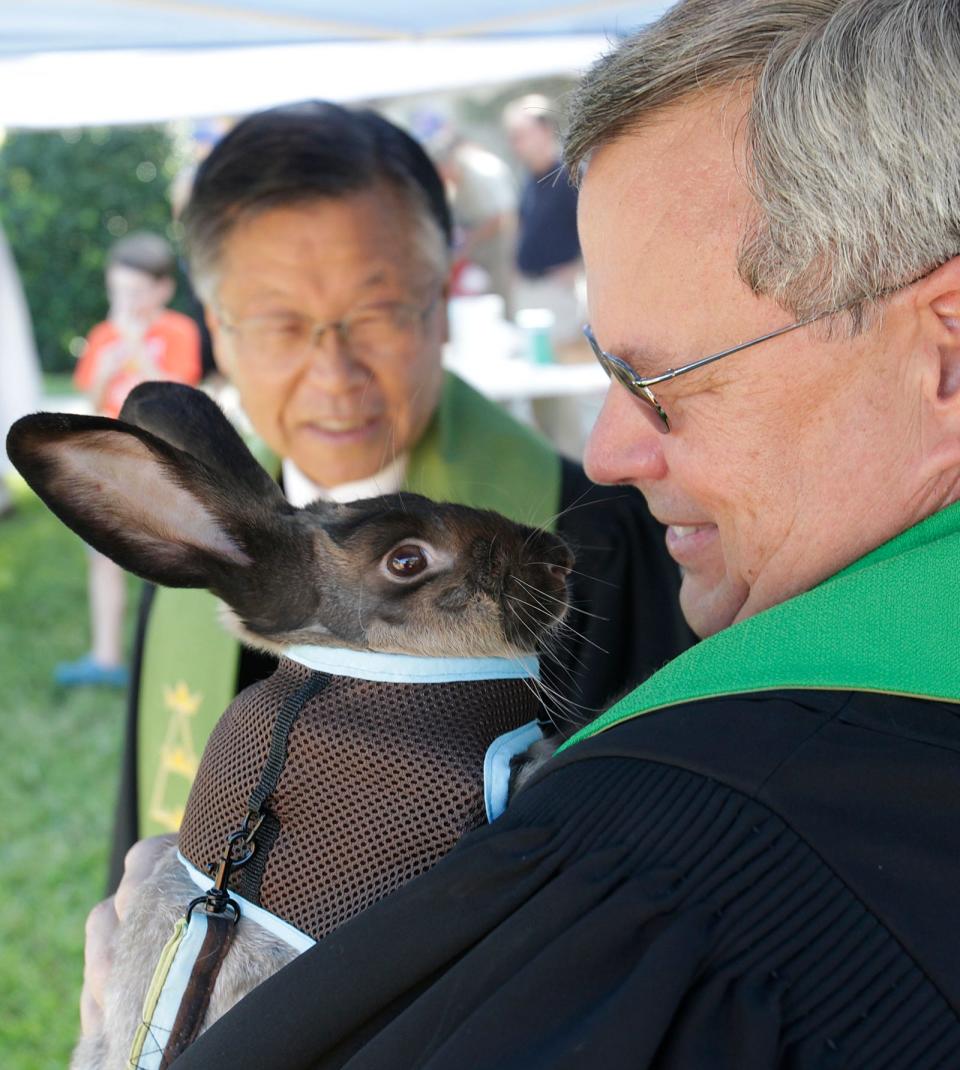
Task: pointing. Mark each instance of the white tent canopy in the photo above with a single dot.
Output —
(65, 63)
(82, 88)
(28, 26)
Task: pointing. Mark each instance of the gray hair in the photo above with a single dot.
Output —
(851, 133)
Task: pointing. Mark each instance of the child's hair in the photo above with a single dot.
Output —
(146, 252)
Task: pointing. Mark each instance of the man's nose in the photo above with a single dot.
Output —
(624, 446)
(329, 358)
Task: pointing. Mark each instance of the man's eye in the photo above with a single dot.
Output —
(383, 326)
(369, 321)
(288, 328)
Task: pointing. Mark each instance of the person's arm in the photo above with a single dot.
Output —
(180, 359)
(98, 363)
(110, 352)
(101, 928)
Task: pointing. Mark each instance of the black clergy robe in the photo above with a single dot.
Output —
(738, 883)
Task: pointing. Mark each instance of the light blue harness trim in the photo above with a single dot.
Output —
(171, 995)
(496, 765)
(283, 930)
(409, 669)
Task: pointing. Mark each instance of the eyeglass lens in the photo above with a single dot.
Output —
(619, 371)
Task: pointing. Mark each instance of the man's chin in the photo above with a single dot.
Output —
(708, 608)
(334, 467)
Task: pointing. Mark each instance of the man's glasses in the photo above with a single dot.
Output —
(622, 372)
(280, 342)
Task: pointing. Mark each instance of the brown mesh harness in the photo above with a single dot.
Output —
(320, 793)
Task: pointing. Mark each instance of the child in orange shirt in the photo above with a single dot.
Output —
(141, 339)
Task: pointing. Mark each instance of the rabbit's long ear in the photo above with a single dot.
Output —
(150, 507)
(188, 419)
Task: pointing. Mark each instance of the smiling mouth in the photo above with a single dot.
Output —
(682, 531)
(685, 541)
(345, 426)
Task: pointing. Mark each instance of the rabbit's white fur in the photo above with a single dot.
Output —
(161, 901)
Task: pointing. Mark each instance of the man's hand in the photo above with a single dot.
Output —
(101, 929)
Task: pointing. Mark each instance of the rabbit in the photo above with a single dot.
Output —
(171, 493)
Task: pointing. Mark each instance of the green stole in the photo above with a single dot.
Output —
(889, 623)
(472, 453)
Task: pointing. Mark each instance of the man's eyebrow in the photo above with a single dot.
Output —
(272, 293)
(376, 278)
(643, 360)
(269, 292)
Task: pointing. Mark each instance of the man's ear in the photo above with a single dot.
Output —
(941, 293)
(939, 306)
(221, 353)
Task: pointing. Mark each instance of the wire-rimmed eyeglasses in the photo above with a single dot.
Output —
(279, 342)
(622, 372)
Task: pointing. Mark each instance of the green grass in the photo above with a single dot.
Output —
(59, 765)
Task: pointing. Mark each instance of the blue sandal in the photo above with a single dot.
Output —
(85, 672)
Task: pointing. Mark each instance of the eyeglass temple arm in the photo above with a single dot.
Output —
(672, 373)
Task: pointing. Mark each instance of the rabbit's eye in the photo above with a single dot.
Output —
(407, 560)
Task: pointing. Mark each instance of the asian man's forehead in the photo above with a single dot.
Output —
(348, 249)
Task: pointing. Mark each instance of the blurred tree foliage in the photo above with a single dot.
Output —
(65, 197)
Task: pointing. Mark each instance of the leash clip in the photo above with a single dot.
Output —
(217, 899)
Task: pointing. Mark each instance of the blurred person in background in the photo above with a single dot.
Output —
(19, 369)
(548, 262)
(483, 199)
(549, 268)
(141, 339)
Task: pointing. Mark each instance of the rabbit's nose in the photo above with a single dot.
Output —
(559, 572)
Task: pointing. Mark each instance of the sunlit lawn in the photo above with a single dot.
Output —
(59, 761)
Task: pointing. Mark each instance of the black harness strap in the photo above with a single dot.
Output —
(268, 827)
(286, 718)
(196, 998)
